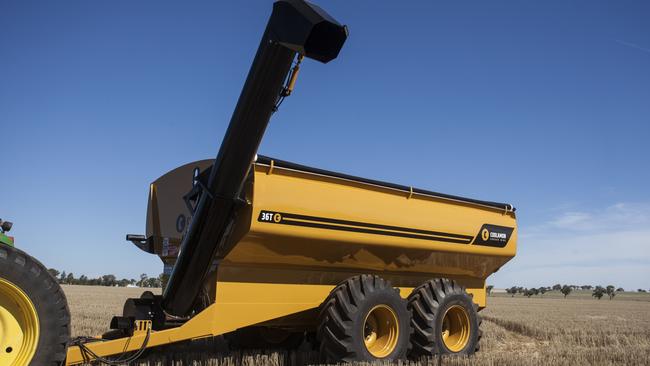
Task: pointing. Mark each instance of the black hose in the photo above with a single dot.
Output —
(89, 355)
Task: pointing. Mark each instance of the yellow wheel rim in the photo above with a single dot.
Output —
(18, 326)
(455, 328)
(380, 331)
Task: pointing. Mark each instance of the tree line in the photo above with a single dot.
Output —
(108, 280)
(597, 292)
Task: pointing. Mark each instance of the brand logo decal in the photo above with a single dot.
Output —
(493, 236)
(485, 234)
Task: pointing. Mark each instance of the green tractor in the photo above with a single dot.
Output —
(34, 315)
(5, 239)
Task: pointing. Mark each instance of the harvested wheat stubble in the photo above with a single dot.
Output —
(548, 330)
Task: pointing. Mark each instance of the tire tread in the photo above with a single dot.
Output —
(424, 302)
(49, 299)
(337, 314)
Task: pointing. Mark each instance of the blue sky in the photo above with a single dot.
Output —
(542, 104)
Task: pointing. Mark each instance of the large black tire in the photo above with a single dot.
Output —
(263, 338)
(345, 317)
(429, 303)
(49, 301)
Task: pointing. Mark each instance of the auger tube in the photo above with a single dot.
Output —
(295, 27)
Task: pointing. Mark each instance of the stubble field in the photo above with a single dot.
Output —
(542, 330)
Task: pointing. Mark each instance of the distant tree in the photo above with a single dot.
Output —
(123, 282)
(557, 287)
(109, 280)
(611, 292)
(53, 272)
(152, 282)
(488, 289)
(565, 290)
(542, 290)
(586, 287)
(598, 292)
(143, 280)
(641, 290)
(620, 289)
(530, 292)
(512, 291)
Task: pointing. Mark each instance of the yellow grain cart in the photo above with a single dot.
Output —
(274, 254)
(368, 269)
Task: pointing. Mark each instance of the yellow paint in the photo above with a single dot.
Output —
(237, 305)
(310, 194)
(19, 326)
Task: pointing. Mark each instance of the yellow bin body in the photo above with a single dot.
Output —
(302, 231)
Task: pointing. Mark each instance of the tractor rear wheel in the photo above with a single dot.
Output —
(364, 319)
(444, 319)
(34, 315)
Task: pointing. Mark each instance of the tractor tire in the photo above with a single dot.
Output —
(263, 338)
(34, 315)
(364, 319)
(444, 319)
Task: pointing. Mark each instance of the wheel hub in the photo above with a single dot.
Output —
(455, 328)
(19, 327)
(381, 331)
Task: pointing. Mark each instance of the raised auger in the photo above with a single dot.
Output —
(295, 27)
